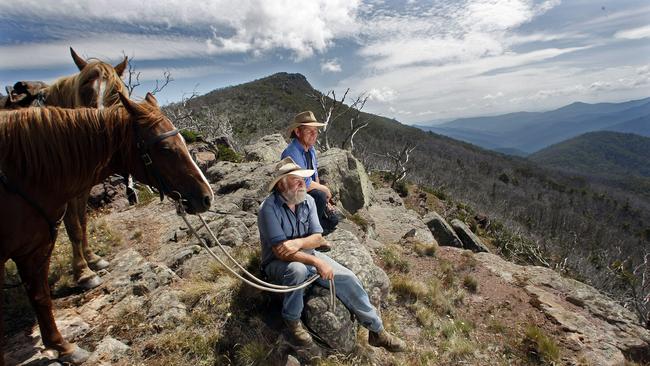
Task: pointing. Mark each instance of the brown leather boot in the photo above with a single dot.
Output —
(386, 340)
(298, 332)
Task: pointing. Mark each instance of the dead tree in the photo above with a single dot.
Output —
(357, 122)
(399, 160)
(332, 109)
(133, 78)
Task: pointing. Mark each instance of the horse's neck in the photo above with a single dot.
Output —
(104, 134)
(62, 93)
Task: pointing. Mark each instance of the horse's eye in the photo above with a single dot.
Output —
(166, 149)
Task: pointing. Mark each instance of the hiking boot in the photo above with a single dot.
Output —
(298, 332)
(386, 340)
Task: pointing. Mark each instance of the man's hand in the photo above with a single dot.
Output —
(325, 271)
(328, 193)
(288, 247)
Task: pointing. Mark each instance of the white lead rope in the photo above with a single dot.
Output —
(261, 285)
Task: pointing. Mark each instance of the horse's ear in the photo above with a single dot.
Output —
(80, 62)
(119, 68)
(130, 106)
(151, 99)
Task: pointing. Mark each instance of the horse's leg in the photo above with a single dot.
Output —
(94, 261)
(76, 228)
(33, 271)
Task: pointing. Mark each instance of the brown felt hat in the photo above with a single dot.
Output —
(305, 118)
(288, 167)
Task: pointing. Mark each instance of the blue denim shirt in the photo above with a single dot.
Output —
(277, 223)
(297, 152)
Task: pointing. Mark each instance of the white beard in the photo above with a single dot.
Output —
(295, 197)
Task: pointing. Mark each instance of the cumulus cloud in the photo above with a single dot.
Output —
(331, 66)
(238, 26)
(383, 94)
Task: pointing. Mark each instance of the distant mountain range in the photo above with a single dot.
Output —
(613, 158)
(523, 133)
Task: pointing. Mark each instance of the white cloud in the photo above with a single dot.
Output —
(331, 66)
(493, 96)
(239, 26)
(107, 47)
(468, 30)
(634, 33)
(383, 94)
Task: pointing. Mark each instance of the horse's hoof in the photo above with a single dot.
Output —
(99, 264)
(77, 357)
(89, 283)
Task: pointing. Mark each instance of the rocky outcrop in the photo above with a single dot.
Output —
(346, 177)
(597, 328)
(268, 149)
(469, 239)
(338, 328)
(441, 230)
(390, 221)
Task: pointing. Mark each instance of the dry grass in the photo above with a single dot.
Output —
(470, 283)
(424, 249)
(394, 260)
(540, 346)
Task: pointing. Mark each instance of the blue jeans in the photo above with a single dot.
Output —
(348, 289)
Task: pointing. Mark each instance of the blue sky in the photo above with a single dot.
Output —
(419, 60)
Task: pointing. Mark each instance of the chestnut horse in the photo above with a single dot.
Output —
(50, 155)
(97, 85)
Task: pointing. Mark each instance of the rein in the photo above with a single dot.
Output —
(143, 149)
(252, 280)
(150, 169)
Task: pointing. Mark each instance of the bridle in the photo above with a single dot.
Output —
(150, 168)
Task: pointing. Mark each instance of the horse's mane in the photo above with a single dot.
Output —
(77, 90)
(53, 145)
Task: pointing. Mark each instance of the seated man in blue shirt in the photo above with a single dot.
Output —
(303, 132)
(289, 233)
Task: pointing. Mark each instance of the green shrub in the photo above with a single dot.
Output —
(227, 154)
(190, 136)
(401, 188)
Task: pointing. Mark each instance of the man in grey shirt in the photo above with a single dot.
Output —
(289, 233)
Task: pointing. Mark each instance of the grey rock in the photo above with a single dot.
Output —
(179, 257)
(392, 221)
(470, 241)
(108, 351)
(346, 177)
(441, 230)
(165, 308)
(268, 149)
(602, 331)
(338, 328)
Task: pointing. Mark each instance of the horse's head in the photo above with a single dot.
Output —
(161, 159)
(98, 84)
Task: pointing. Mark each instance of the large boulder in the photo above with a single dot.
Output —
(441, 230)
(338, 328)
(390, 221)
(469, 239)
(268, 149)
(346, 177)
(601, 331)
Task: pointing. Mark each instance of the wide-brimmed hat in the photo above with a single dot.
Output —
(305, 118)
(288, 167)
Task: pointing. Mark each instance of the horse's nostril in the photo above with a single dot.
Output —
(207, 201)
